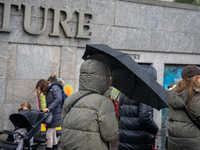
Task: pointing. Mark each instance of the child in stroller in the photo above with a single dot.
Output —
(27, 123)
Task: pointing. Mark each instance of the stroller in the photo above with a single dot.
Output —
(31, 121)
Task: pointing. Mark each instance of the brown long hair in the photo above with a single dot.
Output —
(25, 104)
(189, 84)
(43, 85)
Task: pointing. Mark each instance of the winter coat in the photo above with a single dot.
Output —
(183, 134)
(53, 101)
(91, 123)
(137, 127)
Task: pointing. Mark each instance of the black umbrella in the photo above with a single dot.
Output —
(128, 76)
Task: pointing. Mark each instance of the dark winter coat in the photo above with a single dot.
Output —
(137, 127)
(91, 123)
(183, 134)
(53, 101)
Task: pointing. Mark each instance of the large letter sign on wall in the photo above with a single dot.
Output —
(64, 25)
(81, 24)
(56, 20)
(27, 19)
(6, 15)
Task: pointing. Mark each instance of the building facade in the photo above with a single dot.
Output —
(42, 37)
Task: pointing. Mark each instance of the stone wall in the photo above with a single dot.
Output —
(157, 32)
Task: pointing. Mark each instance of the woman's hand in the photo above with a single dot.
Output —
(46, 110)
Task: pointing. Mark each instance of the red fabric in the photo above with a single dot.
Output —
(116, 105)
(155, 147)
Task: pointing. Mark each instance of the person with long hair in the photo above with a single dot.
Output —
(53, 93)
(24, 106)
(184, 101)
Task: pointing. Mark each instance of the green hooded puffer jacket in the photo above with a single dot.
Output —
(91, 123)
(183, 134)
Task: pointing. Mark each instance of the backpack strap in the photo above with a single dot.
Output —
(193, 121)
(186, 112)
(72, 105)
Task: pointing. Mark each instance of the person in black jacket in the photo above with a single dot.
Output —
(137, 127)
(53, 92)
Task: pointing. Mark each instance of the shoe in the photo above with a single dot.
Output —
(55, 147)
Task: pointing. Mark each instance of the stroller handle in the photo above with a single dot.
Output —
(43, 111)
(10, 133)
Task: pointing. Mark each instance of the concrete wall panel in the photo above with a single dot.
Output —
(197, 43)
(3, 59)
(12, 60)
(19, 91)
(127, 14)
(2, 90)
(33, 61)
(192, 21)
(103, 12)
(183, 42)
(174, 20)
(68, 63)
(115, 37)
(162, 40)
(151, 17)
(138, 39)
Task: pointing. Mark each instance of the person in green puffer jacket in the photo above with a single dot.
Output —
(183, 134)
(91, 123)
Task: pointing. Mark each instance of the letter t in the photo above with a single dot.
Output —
(6, 15)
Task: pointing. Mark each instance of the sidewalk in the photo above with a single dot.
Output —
(114, 144)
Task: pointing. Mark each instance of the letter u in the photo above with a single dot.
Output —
(27, 19)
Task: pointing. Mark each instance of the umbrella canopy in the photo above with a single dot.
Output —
(128, 76)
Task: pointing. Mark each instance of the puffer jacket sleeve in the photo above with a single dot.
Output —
(146, 118)
(108, 125)
(57, 95)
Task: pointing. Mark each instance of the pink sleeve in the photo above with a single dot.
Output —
(37, 100)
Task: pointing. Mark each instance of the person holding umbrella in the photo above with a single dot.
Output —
(183, 114)
(128, 76)
(137, 127)
(88, 116)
